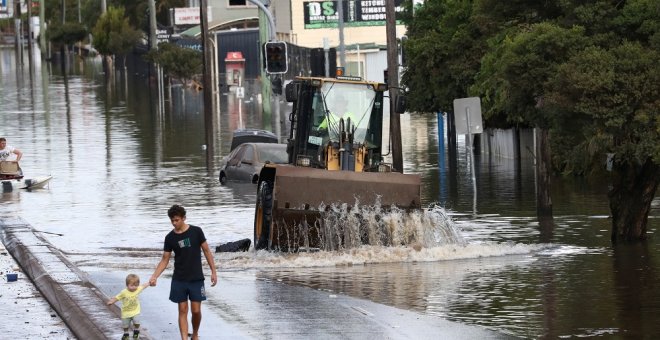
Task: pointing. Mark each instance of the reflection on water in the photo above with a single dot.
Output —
(118, 165)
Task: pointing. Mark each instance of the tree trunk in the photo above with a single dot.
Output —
(64, 56)
(543, 197)
(109, 67)
(633, 188)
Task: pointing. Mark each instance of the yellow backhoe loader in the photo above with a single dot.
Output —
(336, 152)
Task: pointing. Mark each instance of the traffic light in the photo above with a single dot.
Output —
(275, 56)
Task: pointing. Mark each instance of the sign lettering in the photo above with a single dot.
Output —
(189, 16)
(324, 14)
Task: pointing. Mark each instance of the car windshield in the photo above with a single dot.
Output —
(275, 153)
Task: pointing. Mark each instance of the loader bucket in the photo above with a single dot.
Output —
(291, 201)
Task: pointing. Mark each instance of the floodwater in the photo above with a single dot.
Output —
(119, 162)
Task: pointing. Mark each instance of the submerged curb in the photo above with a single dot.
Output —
(79, 303)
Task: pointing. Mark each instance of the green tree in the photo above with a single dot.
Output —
(178, 62)
(557, 66)
(443, 53)
(137, 11)
(67, 33)
(614, 95)
(113, 35)
(513, 73)
(447, 40)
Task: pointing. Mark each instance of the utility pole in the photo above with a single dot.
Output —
(340, 24)
(29, 19)
(18, 32)
(153, 39)
(393, 84)
(42, 27)
(266, 35)
(208, 87)
(266, 89)
(153, 46)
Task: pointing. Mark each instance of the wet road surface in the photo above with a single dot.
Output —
(243, 305)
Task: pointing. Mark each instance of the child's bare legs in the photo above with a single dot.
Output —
(183, 319)
(196, 309)
(125, 325)
(136, 330)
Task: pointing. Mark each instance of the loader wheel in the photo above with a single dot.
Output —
(263, 215)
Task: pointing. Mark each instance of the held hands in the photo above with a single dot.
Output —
(214, 279)
(152, 282)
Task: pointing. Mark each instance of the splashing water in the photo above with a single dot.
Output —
(340, 226)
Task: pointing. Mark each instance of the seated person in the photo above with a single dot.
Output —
(9, 157)
(337, 112)
(6, 151)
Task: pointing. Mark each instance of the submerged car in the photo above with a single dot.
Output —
(245, 162)
(240, 136)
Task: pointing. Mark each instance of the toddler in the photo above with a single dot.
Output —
(130, 305)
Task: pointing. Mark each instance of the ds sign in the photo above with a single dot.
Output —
(324, 14)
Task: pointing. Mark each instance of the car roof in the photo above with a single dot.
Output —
(266, 145)
(241, 136)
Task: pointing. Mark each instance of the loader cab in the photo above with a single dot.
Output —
(335, 114)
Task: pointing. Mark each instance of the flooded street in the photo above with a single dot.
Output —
(118, 164)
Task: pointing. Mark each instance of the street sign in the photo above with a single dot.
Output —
(190, 15)
(467, 116)
(240, 92)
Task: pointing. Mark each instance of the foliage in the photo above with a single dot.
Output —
(90, 10)
(447, 40)
(113, 34)
(67, 33)
(163, 8)
(54, 11)
(138, 11)
(585, 71)
(178, 62)
(513, 74)
(578, 68)
(614, 94)
(443, 52)
(90, 13)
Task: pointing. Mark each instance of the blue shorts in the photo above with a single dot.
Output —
(181, 291)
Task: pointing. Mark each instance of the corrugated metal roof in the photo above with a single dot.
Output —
(250, 22)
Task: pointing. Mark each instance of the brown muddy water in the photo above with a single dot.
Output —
(118, 163)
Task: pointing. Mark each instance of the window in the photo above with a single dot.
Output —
(237, 3)
(248, 155)
(235, 156)
(355, 68)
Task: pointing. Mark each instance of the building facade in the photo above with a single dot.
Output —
(307, 23)
(315, 24)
